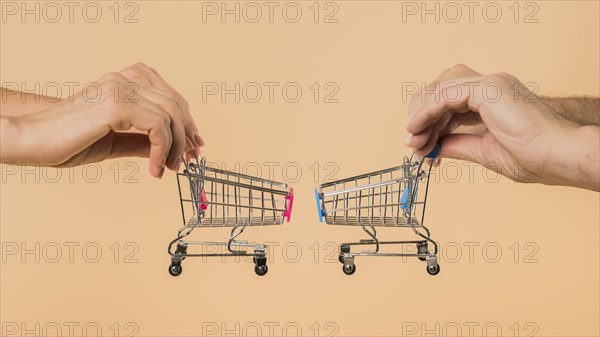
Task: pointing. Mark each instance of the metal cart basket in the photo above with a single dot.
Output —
(219, 198)
(386, 198)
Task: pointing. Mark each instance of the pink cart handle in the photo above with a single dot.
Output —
(203, 200)
(289, 203)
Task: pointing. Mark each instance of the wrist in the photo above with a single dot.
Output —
(9, 139)
(575, 158)
(589, 161)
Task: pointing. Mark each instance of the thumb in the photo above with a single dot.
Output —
(461, 146)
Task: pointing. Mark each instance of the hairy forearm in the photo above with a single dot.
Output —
(15, 103)
(580, 164)
(580, 110)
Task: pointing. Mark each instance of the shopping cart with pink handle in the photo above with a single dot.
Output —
(385, 198)
(219, 198)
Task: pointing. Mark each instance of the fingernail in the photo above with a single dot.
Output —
(198, 139)
(407, 139)
(178, 164)
(161, 172)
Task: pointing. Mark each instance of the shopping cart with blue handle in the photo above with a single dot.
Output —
(385, 198)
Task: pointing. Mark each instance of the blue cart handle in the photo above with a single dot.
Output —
(434, 153)
(318, 198)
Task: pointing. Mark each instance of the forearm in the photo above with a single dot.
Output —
(15, 103)
(580, 110)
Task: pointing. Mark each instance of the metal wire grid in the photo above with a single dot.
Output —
(373, 198)
(223, 198)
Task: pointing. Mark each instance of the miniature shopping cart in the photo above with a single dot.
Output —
(386, 198)
(219, 198)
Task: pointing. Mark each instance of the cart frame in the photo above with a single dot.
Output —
(390, 202)
(220, 211)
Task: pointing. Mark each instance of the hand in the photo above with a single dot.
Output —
(496, 121)
(137, 114)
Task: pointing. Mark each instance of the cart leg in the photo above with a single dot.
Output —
(422, 250)
(433, 268)
(344, 248)
(260, 263)
(181, 249)
(175, 269)
(349, 267)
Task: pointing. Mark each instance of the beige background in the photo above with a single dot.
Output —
(549, 289)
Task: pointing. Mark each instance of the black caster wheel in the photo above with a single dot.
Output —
(175, 269)
(349, 269)
(341, 258)
(261, 270)
(433, 270)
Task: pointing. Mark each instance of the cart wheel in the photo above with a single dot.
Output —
(341, 258)
(261, 270)
(349, 269)
(175, 269)
(433, 270)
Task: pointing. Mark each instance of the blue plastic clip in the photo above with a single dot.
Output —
(318, 199)
(434, 153)
(404, 199)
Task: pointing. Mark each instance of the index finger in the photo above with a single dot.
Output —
(454, 96)
(452, 74)
(189, 123)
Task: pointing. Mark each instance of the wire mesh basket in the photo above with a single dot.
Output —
(212, 197)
